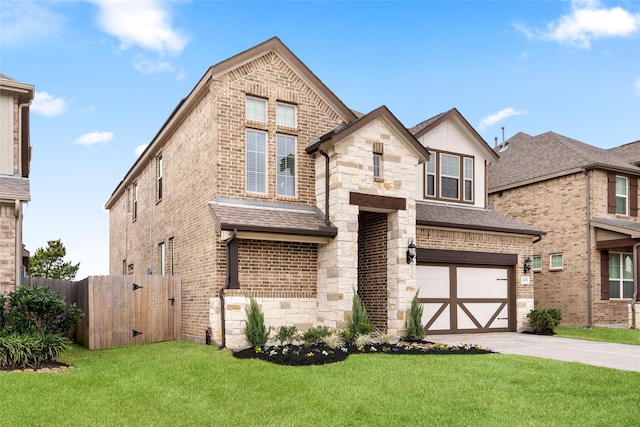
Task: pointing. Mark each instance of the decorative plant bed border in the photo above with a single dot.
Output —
(320, 354)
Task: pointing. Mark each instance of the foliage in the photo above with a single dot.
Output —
(544, 320)
(616, 335)
(286, 334)
(255, 330)
(363, 339)
(49, 262)
(415, 329)
(31, 349)
(333, 341)
(359, 322)
(34, 309)
(314, 335)
(383, 337)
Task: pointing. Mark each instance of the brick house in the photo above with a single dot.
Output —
(15, 153)
(586, 200)
(263, 183)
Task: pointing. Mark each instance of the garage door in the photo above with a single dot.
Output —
(463, 299)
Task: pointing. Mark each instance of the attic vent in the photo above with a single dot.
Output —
(378, 147)
(503, 147)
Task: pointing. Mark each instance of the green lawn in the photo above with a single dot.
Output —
(617, 335)
(180, 383)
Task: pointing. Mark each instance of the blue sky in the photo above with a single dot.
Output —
(108, 73)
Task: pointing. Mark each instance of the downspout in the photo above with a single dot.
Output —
(18, 242)
(226, 286)
(589, 282)
(635, 285)
(326, 188)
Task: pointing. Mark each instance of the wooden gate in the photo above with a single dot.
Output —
(123, 310)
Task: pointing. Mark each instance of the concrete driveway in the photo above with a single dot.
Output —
(617, 356)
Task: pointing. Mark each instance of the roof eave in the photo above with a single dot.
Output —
(477, 227)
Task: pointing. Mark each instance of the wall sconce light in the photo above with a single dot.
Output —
(411, 251)
(527, 264)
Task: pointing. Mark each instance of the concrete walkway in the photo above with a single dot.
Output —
(609, 355)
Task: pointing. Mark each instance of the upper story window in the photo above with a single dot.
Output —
(162, 258)
(622, 191)
(537, 263)
(620, 275)
(286, 161)
(286, 115)
(134, 200)
(159, 173)
(256, 109)
(378, 150)
(256, 161)
(556, 262)
(622, 194)
(449, 177)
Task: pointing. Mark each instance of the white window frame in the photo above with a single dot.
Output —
(159, 174)
(553, 267)
(377, 165)
(263, 155)
(467, 179)
(443, 176)
(431, 164)
(621, 279)
(134, 195)
(281, 175)
(162, 255)
(622, 197)
(252, 113)
(283, 116)
(533, 263)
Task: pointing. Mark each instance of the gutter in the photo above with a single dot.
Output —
(326, 188)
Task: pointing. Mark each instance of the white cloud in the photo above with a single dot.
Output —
(47, 105)
(497, 117)
(139, 149)
(145, 23)
(94, 138)
(145, 66)
(27, 21)
(588, 20)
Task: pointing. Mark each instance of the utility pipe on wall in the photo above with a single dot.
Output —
(327, 219)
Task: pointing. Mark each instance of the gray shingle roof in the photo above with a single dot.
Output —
(259, 216)
(633, 228)
(470, 218)
(13, 187)
(525, 159)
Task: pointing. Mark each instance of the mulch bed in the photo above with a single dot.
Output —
(305, 355)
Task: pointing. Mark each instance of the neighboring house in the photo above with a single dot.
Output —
(263, 184)
(586, 200)
(15, 153)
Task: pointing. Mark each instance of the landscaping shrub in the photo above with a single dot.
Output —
(34, 309)
(255, 330)
(31, 349)
(314, 335)
(359, 323)
(415, 329)
(286, 334)
(544, 320)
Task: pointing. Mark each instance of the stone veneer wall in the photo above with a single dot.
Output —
(558, 207)
(7, 248)
(464, 240)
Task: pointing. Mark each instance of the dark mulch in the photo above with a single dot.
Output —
(305, 355)
(39, 366)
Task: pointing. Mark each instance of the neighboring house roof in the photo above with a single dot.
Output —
(630, 152)
(244, 215)
(184, 106)
(527, 159)
(449, 216)
(343, 130)
(453, 114)
(14, 187)
(623, 227)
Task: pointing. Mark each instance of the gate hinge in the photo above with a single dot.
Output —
(135, 333)
(136, 287)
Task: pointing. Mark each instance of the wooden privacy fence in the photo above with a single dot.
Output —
(122, 310)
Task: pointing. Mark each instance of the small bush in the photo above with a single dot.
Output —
(255, 330)
(359, 323)
(544, 320)
(31, 349)
(415, 329)
(333, 341)
(286, 334)
(314, 335)
(34, 309)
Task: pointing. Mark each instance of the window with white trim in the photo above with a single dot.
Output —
(620, 275)
(286, 164)
(468, 179)
(159, 173)
(286, 114)
(256, 109)
(449, 176)
(134, 199)
(256, 161)
(430, 176)
(376, 165)
(537, 263)
(162, 258)
(622, 192)
(556, 262)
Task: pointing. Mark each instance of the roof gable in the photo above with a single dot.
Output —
(343, 131)
(458, 119)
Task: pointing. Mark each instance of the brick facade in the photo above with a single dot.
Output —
(372, 266)
(559, 206)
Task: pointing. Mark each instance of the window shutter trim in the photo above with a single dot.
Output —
(633, 196)
(611, 193)
(604, 275)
